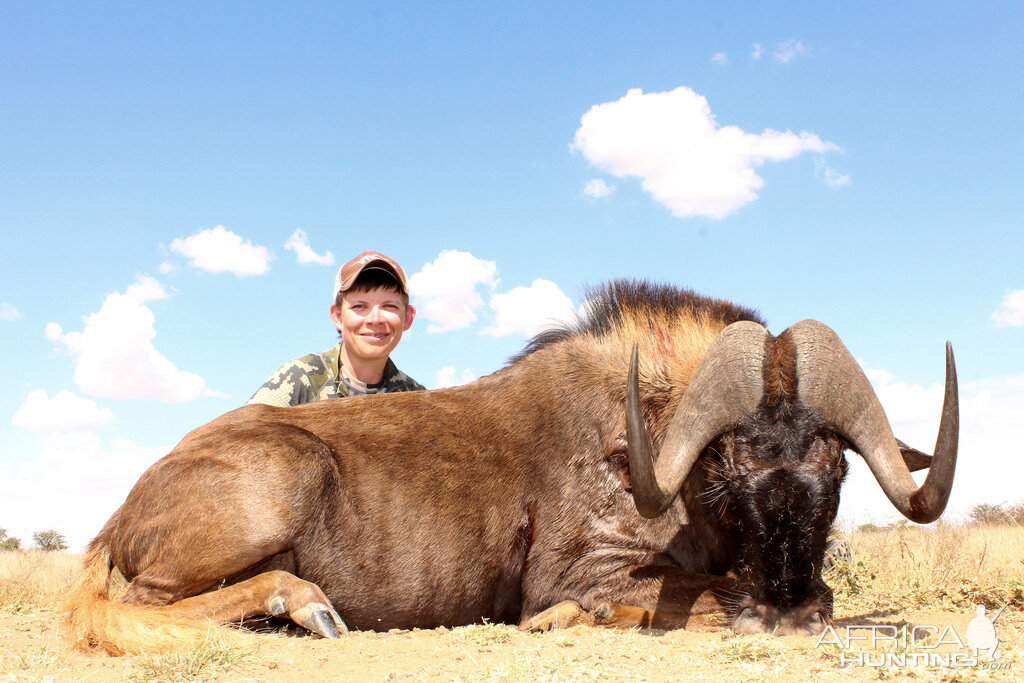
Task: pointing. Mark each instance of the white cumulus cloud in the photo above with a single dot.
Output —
(683, 158)
(9, 312)
(720, 58)
(757, 51)
(448, 376)
(145, 289)
(299, 243)
(446, 290)
(114, 352)
(64, 412)
(529, 310)
(597, 188)
(1011, 312)
(219, 250)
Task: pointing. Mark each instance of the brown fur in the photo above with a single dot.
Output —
(780, 370)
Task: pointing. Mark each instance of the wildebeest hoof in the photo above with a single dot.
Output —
(563, 615)
(320, 618)
(604, 611)
(277, 607)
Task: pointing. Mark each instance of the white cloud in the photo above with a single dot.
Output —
(1011, 312)
(65, 412)
(720, 58)
(218, 250)
(299, 243)
(671, 141)
(989, 412)
(9, 312)
(115, 356)
(166, 267)
(80, 441)
(597, 188)
(788, 51)
(832, 177)
(446, 290)
(757, 51)
(145, 289)
(73, 485)
(529, 310)
(448, 376)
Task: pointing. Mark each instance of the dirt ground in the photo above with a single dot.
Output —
(31, 649)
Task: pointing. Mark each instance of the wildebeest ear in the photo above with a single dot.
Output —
(915, 459)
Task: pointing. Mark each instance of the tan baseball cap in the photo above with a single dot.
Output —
(348, 273)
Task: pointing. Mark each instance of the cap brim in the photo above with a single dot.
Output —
(374, 265)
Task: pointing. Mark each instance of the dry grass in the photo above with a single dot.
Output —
(895, 574)
(942, 567)
(34, 579)
(34, 582)
(42, 657)
(188, 664)
(754, 649)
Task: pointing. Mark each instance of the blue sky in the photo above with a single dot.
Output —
(857, 164)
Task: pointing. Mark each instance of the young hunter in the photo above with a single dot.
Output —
(371, 310)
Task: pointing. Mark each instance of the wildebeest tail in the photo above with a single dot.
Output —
(93, 621)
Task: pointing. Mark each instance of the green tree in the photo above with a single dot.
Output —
(50, 540)
(8, 542)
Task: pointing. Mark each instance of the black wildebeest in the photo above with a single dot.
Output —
(692, 483)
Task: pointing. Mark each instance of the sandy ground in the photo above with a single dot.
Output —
(31, 649)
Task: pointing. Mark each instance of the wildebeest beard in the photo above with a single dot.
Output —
(776, 481)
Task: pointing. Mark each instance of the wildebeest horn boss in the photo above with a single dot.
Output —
(664, 462)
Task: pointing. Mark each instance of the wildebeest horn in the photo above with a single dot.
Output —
(725, 388)
(831, 382)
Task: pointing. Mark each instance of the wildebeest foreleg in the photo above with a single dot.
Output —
(563, 615)
(651, 597)
(614, 615)
(275, 593)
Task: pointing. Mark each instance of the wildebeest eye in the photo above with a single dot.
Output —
(619, 464)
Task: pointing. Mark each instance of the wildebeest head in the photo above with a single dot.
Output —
(774, 415)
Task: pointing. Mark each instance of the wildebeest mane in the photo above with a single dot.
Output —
(608, 304)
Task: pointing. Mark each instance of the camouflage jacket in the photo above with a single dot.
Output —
(319, 376)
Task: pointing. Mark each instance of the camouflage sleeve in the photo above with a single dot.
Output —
(291, 385)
